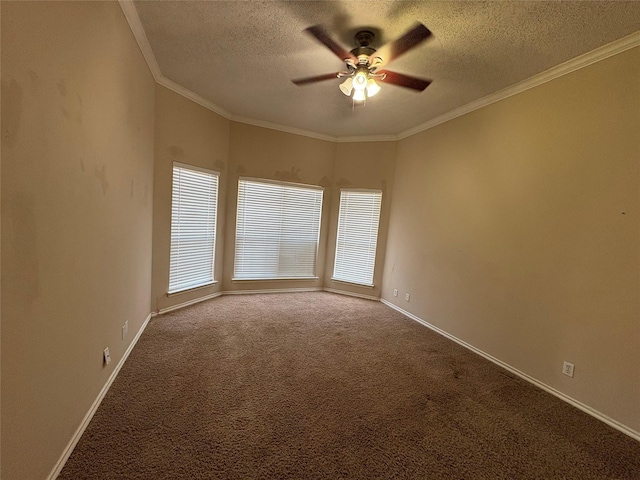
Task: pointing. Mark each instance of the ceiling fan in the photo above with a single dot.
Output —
(364, 63)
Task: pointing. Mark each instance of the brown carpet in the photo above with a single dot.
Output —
(323, 386)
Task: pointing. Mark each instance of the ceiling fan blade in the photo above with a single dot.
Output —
(405, 80)
(317, 78)
(323, 37)
(412, 38)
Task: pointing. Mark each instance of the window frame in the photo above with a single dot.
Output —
(181, 287)
(238, 275)
(338, 254)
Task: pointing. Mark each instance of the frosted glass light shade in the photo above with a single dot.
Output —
(360, 81)
(359, 96)
(347, 86)
(372, 87)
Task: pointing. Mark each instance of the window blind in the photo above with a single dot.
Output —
(357, 236)
(277, 230)
(194, 205)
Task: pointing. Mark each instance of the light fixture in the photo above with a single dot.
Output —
(359, 96)
(360, 79)
(372, 87)
(361, 83)
(347, 86)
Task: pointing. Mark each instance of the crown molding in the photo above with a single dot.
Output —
(284, 128)
(367, 138)
(131, 14)
(565, 68)
(613, 48)
(318, 136)
(194, 97)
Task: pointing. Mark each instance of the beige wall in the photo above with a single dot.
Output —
(263, 153)
(188, 133)
(191, 134)
(77, 179)
(515, 228)
(506, 225)
(368, 165)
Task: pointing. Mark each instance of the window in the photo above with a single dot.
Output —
(277, 230)
(357, 236)
(194, 206)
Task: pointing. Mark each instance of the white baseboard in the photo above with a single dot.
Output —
(562, 396)
(94, 407)
(352, 294)
(272, 290)
(186, 304)
(233, 292)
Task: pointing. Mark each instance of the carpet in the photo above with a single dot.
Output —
(324, 386)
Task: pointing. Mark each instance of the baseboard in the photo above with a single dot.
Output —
(94, 407)
(186, 304)
(233, 292)
(272, 290)
(352, 294)
(562, 396)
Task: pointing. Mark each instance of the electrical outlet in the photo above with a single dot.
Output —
(567, 369)
(107, 356)
(125, 329)
(407, 297)
(395, 292)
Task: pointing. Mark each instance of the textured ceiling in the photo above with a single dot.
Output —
(242, 55)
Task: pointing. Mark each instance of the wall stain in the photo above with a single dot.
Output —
(65, 112)
(176, 151)
(220, 165)
(289, 176)
(23, 223)
(241, 170)
(325, 182)
(82, 165)
(79, 99)
(343, 182)
(62, 88)
(102, 176)
(33, 76)
(12, 111)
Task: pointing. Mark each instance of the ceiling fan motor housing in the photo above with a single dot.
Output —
(364, 38)
(363, 51)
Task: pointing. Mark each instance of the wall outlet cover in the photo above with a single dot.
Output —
(107, 356)
(567, 369)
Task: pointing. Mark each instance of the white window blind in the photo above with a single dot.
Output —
(193, 227)
(357, 236)
(277, 230)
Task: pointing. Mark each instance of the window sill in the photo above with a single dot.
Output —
(365, 285)
(186, 290)
(278, 279)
